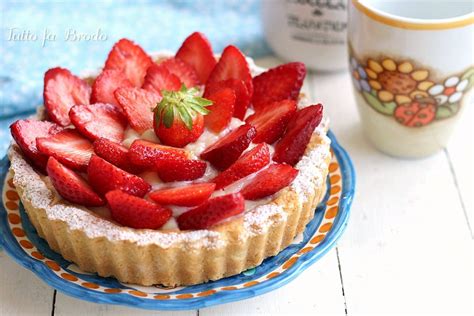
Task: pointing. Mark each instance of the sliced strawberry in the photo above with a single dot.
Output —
(196, 51)
(272, 122)
(269, 181)
(99, 120)
(180, 169)
(70, 185)
(135, 212)
(293, 144)
(222, 109)
(105, 177)
(212, 212)
(61, 91)
(158, 78)
(178, 135)
(146, 154)
(105, 85)
(129, 58)
(25, 132)
(190, 195)
(138, 105)
(279, 83)
(68, 147)
(228, 149)
(115, 153)
(242, 100)
(182, 70)
(250, 162)
(232, 65)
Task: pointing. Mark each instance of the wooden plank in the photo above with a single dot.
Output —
(461, 155)
(407, 248)
(21, 292)
(317, 291)
(69, 306)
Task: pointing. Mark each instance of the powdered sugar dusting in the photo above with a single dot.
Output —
(262, 217)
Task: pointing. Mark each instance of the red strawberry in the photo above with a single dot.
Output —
(242, 100)
(212, 212)
(135, 212)
(105, 177)
(269, 181)
(180, 169)
(99, 120)
(222, 109)
(61, 91)
(70, 185)
(25, 132)
(279, 83)
(68, 147)
(228, 149)
(190, 195)
(178, 135)
(272, 122)
(250, 162)
(182, 70)
(159, 78)
(114, 153)
(138, 105)
(129, 58)
(196, 51)
(232, 65)
(146, 154)
(293, 144)
(105, 85)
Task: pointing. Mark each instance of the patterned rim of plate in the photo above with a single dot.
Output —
(21, 242)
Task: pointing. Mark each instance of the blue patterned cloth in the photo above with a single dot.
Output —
(155, 25)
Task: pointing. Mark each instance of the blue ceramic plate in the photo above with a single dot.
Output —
(21, 241)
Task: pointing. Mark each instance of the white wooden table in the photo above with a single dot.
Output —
(408, 248)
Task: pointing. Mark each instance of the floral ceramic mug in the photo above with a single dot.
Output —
(412, 65)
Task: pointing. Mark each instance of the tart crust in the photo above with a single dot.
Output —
(174, 257)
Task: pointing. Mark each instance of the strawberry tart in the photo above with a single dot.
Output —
(172, 169)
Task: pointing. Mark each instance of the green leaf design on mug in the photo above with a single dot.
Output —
(447, 111)
(374, 102)
(469, 75)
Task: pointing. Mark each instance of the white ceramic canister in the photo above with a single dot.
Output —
(310, 31)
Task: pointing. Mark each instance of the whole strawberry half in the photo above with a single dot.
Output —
(190, 195)
(70, 185)
(292, 145)
(272, 122)
(129, 58)
(105, 85)
(99, 120)
(25, 132)
(269, 181)
(221, 110)
(279, 83)
(105, 177)
(68, 147)
(242, 96)
(228, 149)
(178, 118)
(186, 73)
(61, 91)
(158, 78)
(212, 212)
(115, 153)
(146, 154)
(180, 169)
(138, 105)
(250, 162)
(232, 65)
(135, 212)
(196, 51)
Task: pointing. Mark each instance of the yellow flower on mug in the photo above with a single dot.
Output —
(399, 82)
